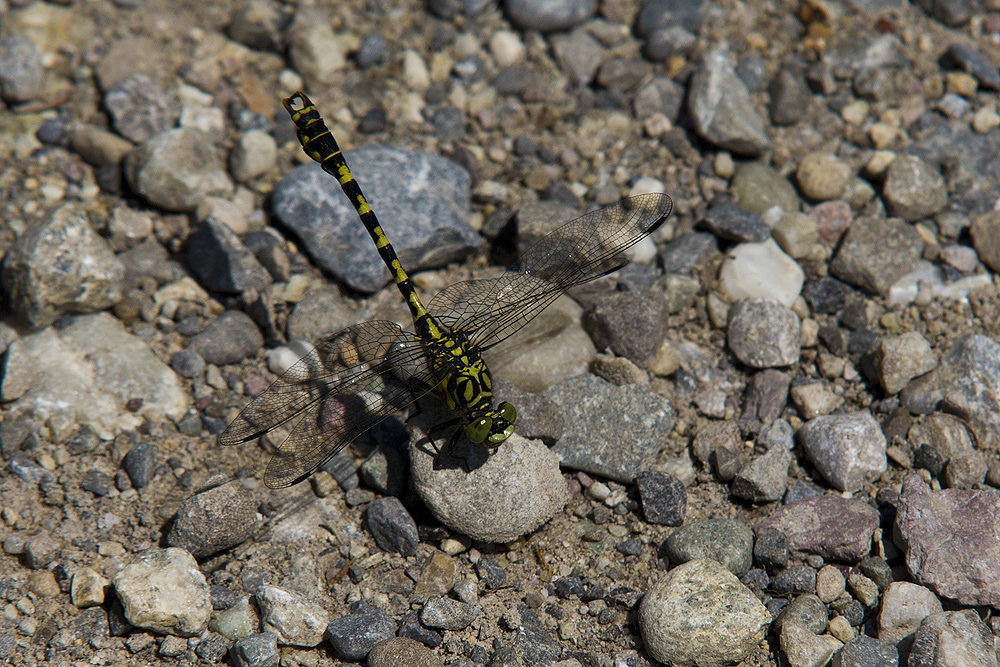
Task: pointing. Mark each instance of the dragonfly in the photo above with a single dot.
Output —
(354, 379)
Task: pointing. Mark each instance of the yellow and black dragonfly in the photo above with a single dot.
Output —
(357, 377)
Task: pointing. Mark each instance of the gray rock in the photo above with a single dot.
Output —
(770, 548)
(548, 15)
(790, 97)
(960, 635)
(610, 431)
(722, 110)
(668, 42)
(904, 606)
(795, 580)
(763, 333)
(292, 619)
(319, 315)
(579, 54)
(140, 108)
(700, 614)
(688, 252)
(865, 651)
(40, 550)
(830, 526)
(877, 252)
(848, 450)
(59, 265)
(352, 637)
(950, 539)
(403, 651)
(965, 470)
(758, 187)
(805, 611)
(188, 364)
(913, 189)
(765, 478)
(392, 526)
(214, 520)
(631, 324)
(973, 61)
(505, 494)
(230, 338)
(899, 359)
(260, 650)
(726, 541)
(623, 74)
(21, 69)
(733, 223)
(664, 500)
(176, 169)
(88, 371)
(447, 614)
(803, 647)
(221, 262)
(253, 155)
(661, 95)
(140, 462)
(659, 14)
(164, 591)
(422, 200)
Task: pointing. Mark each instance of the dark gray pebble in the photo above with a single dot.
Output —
(630, 324)
(352, 637)
(770, 549)
(548, 15)
(97, 482)
(213, 520)
(688, 252)
(726, 541)
(229, 339)
(260, 650)
(664, 500)
(865, 651)
(732, 223)
(410, 627)
(490, 573)
(221, 262)
(392, 526)
(795, 580)
(187, 363)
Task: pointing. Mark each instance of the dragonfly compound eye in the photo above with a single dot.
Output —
(479, 429)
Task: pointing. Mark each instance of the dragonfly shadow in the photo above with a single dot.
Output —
(444, 439)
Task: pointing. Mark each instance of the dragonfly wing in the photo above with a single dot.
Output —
(348, 383)
(583, 249)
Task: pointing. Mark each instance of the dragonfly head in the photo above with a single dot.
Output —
(494, 427)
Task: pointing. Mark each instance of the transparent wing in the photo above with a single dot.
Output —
(346, 385)
(590, 246)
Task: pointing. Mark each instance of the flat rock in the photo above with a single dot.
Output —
(164, 591)
(951, 540)
(848, 450)
(294, 620)
(722, 110)
(89, 370)
(833, 527)
(214, 520)
(178, 168)
(877, 252)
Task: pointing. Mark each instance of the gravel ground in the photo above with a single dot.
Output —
(771, 439)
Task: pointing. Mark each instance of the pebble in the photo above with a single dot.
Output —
(770, 549)
(164, 591)
(175, 169)
(722, 110)
(294, 620)
(579, 54)
(822, 176)
(661, 95)
(732, 223)
(140, 108)
(899, 359)
(610, 431)
(221, 262)
(700, 613)
(631, 324)
(758, 187)
(761, 271)
(548, 16)
(876, 252)
(904, 606)
(663, 498)
(726, 541)
(214, 520)
(447, 614)
(765, 478)
(913, 189)
(790, 97)
(802, 647)
(352, 637)
(392, 526)
(836, 528)
(238, 620)
(425, 220)
(686, 253)
(516, 488)
(933, 523)
(796, 233)
(253, 155)
(259, 650)
(402, 651)
(961, 634)
(21, 69)
(815, 399)
(984, 231)
(973, 61)
(865, 651)
(59, 265)
(228, 339)
(316, 52)
(762, 333)
(848, 450)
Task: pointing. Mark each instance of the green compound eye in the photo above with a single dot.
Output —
(479, 429)
(508, 412)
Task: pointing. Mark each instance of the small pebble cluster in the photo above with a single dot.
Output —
(771, 439)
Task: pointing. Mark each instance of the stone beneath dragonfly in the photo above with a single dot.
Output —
(610, 431)
(422, 200)
(505, 494)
